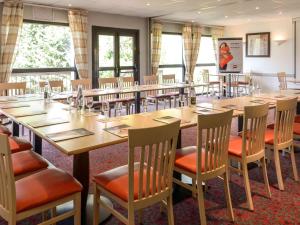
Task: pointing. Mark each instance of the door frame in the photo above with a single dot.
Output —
(96, 30)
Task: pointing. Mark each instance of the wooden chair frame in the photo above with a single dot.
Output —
(209, 84)
(53, 84)
(85, 83)
(10, 89)
(8, 194)
(156, 147)
(283, 136)
(253, 146)
(173, 93)
(212, 140)
(282, 80)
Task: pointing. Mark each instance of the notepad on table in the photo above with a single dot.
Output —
(47, 122)
(120, 130)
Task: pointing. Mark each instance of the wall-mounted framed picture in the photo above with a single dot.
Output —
(258, 44)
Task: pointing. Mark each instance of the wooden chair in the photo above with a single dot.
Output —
(128, 98)
(251, 146)
(155, 95)
(209, 84)
(143, 183)
(282, 80)
(11, 89)
(173, 93)
(54, 85)
(51, 187)
(85, 83)
(281, 138)
(207, 160)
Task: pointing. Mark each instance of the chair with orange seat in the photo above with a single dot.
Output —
(251, 146)
(51, 187)
(143, 183)
(281, 138)
(207, 160)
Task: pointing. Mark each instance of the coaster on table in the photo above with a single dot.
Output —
(171, 119)
(48, 122)
(29, 113)
(11, 106)
(120, 130)
(69, 134)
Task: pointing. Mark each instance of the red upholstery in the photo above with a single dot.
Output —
(186, 159)
(296, 128)
(269, 137)
(116, 181)
(4, 130)
(27, 162)
(44, 187)
(235, 146)
(297, 119)
(19, 144)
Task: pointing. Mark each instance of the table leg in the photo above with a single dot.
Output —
(16, 129)
(81, 171)
(181, 92)
(137, 102)
(37, 144)
(298, 108)
(240, 123)
(229, 85)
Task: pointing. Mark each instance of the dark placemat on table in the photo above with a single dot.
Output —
(47, 122)
(69, 134)
(119, 130)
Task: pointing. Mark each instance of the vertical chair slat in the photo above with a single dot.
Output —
(141, 172)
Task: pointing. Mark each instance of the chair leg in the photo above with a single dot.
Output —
(77, 206)
(96, 206)
(170, 102)
(247, 187)
(130, 217)
(140, 216)
(278, 170)
(53, 213)
(228, 196)
(194, 188)
(201, 204)
(12, 221)
(156, 102)
(170, 210)
(265, 173)
(294, 165)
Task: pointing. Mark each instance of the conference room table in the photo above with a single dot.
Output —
(45, 118)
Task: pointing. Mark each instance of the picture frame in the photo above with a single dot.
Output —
(258, 44)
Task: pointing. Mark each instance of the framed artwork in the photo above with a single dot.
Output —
(258, 44)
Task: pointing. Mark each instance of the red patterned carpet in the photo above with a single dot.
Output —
(283, 208)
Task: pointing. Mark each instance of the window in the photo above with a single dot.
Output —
(171, 60)
(45, 52)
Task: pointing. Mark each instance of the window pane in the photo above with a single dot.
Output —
(44, 46)
(206, 53)
(126, 73)
(171, 50)
(126, 51)
(177, 71)
(106, 73)
(106, 51)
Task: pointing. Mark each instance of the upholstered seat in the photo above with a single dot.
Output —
(296, 128)
(44, 187)
(297, 119)
(5, 130)
(27, 162)
(116, 181)
(235, 146)
(19, 144)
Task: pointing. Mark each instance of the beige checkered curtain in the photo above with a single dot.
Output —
(215, 34)
(191, 45)
(78, 27)
(12, 20)
(156, 47)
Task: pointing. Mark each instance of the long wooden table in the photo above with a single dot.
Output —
(80, 147)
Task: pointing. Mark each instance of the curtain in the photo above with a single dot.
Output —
(215, 34)
(156, 47)
(78, 27)
(191, 45)
(12, 21)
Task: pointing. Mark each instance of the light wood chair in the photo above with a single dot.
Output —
(128, 98)
(85, 83)
(281, 138)
(54, 85)
(208, 84)
(173, 93)
(11, 89)
(143, 183)
(207, 160)
(282, 80)
(155, 95)
(17, 200)
(251, 146)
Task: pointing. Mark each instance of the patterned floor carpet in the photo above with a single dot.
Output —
(282, 208)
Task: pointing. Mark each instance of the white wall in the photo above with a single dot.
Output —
(282, 56)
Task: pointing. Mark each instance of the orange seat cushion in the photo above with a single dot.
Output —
(27, 162)
(19, 144)
(5, 130)
(297, 119)
(44, 187)
(186, 159)
(116, 181)
(296, 128)
(235, 146)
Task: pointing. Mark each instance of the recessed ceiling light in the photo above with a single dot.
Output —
(257, 7)
(248, 20)
(219, 0)
(199, 12)
(280, 13)
(148, 4)
(193, 21)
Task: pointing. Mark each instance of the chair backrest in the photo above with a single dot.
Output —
(54, 84)
(10, 89)
(284, 121)
(7, 180)
(155, 148)
(151, 80)
(282, 80)
(127, 82)
(212, 142)
(85, 83)
(169, 79)
(205, 75)
(106, 83)
(254, 128)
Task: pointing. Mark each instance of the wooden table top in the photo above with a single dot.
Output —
(102, 138)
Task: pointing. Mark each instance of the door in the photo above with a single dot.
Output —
(115, 53)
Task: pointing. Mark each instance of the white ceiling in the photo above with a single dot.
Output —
(213, 12)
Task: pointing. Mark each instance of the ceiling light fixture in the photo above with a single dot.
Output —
(199, 12)
(148, 4)
(280, 13)
(226, 17)
(70, 5)
(257, 7)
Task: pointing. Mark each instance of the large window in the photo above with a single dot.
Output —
(171, 61)
(44, 52)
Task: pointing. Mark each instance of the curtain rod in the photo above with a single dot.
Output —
(46, 6)
(183, 22)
